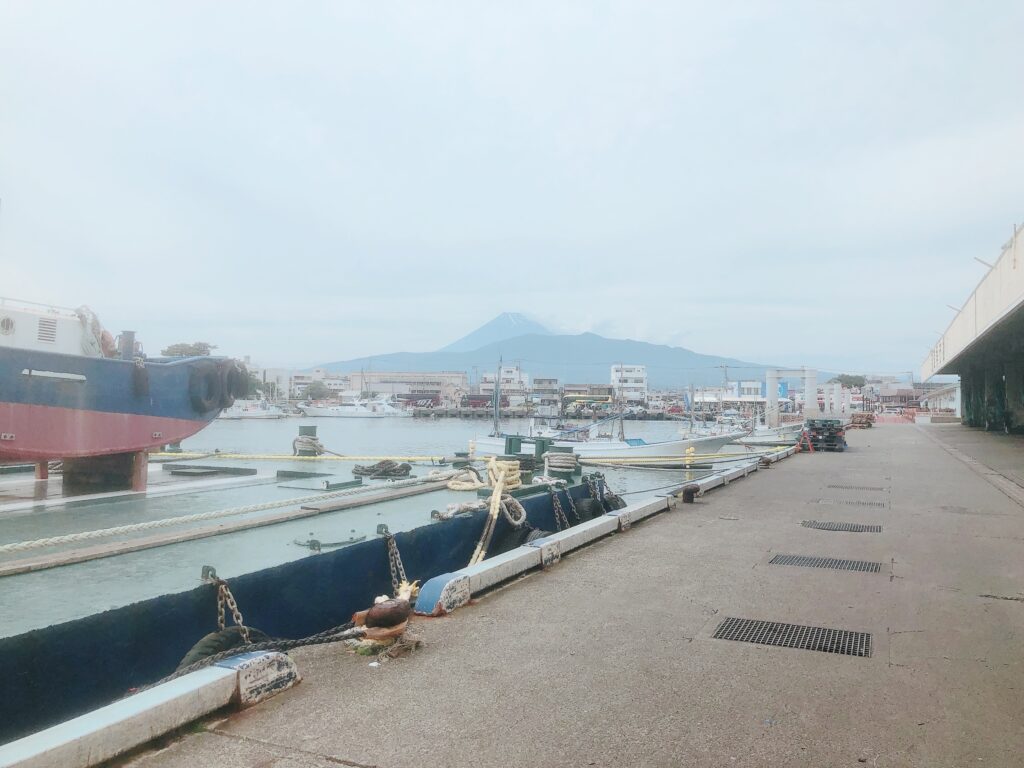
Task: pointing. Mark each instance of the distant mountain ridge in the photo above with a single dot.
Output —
(507, 325)
(573, 359)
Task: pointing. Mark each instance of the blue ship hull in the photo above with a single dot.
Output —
(56, 406)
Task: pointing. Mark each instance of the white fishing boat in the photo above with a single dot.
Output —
(388, 408)
(787, 434)
(592, 442)
(252, 409)
(342, 410)
(595, 440)
(612, 448)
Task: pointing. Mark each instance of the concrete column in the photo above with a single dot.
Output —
(810, 394)
(972, 385)
(140, 471)
(995, 396)
(1014, 394)
(771, 378)
(42, 470)
(837, 398)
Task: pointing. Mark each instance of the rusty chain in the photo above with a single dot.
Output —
(224, 596)
(561, 521)
(395, 563)
(345, 631)
(572, 505)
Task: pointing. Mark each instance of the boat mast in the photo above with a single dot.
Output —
(496, 432)
(693, 413)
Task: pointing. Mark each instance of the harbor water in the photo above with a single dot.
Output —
(38, 599)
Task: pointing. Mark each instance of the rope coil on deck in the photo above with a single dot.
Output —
(308, 443)
(561, 462)
(510, 474)
(467, 479)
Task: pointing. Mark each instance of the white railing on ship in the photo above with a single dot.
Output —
(6, 301)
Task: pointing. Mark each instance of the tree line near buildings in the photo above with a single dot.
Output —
(318, 390)
(184, 349)
(848, 380)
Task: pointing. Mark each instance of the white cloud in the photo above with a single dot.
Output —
(787, 183)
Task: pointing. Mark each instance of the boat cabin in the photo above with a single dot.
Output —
(45, 328)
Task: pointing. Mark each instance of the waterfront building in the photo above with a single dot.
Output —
(945, 398)
(446, 387)
(515, 384)
(546, 392)
(630, 383)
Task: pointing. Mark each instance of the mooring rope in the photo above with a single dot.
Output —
(52, 541)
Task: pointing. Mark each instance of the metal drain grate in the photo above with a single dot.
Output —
(857, 487)
(853, 503)
(832, 563)
(848, 527)
(841, 641)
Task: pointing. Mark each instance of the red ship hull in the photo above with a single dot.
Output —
(72, 433)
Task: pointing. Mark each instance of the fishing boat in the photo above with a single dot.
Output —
(252, 409)
(585, 444)
(787, 434)
(589, 441)
(340, 410)
(388, 408)
(71, 390)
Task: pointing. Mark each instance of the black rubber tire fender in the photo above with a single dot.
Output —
(140, 381)
(588, 509)
(218, 642)
(227, 393)
(233, 384)
(615, 502)
(205, 387)
(535, 534)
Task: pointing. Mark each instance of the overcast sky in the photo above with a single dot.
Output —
(795, 183)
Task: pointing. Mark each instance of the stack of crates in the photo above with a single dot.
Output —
(862, 420)
(827, 434)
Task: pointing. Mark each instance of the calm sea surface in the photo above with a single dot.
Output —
(39, 599)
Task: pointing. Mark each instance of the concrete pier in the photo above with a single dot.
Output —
(608, 658)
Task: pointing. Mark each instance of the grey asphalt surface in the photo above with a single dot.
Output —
(608, 659)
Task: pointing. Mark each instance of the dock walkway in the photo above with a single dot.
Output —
(608, 659)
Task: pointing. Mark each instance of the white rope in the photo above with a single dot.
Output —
(21, 546)
(308, 443)
(467, 479)
(562, 462)
(510, 471)
(495, 470)
(510, 505)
